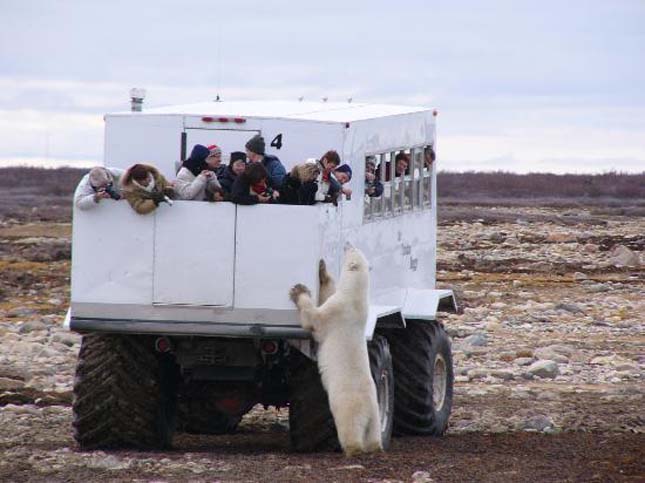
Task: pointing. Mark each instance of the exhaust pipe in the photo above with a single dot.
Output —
(137, 95)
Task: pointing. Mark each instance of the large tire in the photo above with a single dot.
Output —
(311, 424)
(423, 378)
(124, 394)
(383, 375)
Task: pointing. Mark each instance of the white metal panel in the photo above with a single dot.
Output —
(334, 112)
(301, 140)
(112, 255)
(146, 139)
(423, 304)
(373, 314)
(194, 253)
(278, 246)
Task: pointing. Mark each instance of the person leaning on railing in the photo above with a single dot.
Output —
(197, 175)
(255, 152)
(99, 184)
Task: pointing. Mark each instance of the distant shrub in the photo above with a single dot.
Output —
(500, 184)
(47, 181)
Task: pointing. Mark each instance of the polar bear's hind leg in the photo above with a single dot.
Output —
(351, 424)
(373, 442)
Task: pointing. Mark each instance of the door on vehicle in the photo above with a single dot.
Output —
(194, 254)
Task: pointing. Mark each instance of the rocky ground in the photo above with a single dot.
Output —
(548, 355)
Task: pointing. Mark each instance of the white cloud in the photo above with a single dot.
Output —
(518, 85)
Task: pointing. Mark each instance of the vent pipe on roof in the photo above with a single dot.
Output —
(137, 95)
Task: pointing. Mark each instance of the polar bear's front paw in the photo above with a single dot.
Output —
(323, 276)
(297, 290)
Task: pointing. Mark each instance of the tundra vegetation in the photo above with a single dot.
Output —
(548, 352)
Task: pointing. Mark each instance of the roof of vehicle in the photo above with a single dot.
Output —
(309, 111)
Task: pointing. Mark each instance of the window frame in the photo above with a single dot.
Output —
(412, 192)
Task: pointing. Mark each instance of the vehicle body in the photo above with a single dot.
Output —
(214, 278)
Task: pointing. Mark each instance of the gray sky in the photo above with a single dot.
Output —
(520, 85)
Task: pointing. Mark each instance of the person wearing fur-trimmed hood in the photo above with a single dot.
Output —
(197, 176)
(144, 187)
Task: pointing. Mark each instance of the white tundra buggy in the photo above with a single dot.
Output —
(185, 313)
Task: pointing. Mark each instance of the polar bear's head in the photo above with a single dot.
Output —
(354, 260)
(354, 276)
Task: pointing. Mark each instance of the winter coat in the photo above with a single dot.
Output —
(144, 200)
(84, 194)
(276, 171)
(243, 194)
(294, 192)
(191, 187)
(226, 179)
(378, 188)
(329, 190)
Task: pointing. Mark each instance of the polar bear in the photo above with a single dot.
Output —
(338, 326)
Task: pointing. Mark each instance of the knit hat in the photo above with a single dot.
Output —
(196, 163)
(256, 144)
(100, 177)
(344, 168)
(237, 156)
(214, 150)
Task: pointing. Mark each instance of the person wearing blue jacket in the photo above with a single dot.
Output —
(235, 167)
(255, 152)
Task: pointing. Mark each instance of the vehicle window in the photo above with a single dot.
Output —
(397, 182)
(428, 169)
(373, 187)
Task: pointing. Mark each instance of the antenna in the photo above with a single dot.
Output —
(219, 63)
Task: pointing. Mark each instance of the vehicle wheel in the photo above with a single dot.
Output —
(311, 424)
(423, 380)
(124, 393)
(383, 375)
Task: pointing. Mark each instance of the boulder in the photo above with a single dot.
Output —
(31, 326)
(623, 256)
(561, 237)
(590, 248)
(544, 368)
(537, 423)
(476, 340)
